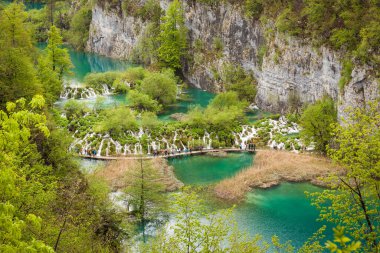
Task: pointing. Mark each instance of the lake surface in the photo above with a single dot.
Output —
(204, 169)
(283, 210)
(85, 63)
(28, 5)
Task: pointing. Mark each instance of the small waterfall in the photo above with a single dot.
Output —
(207, 144)
(100, 148)
(78, 93)
(246, 134)
(138, 149)
(141, 132)
(105, 90)
(127, 150)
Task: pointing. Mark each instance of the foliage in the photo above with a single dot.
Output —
(342, 241)
(146, 50)
(44, 196)
(316, 123)
(346, 74)
(353, 201)
(13, 231)
(80, 27)
(134, 76)
(197, 230)
(17, 74)
(349, 26)
(236, 79)
(145, 192)
(97, 80)
(142, 102)
(172, 37)
(222, 116)
(161, 87)
(59, 57)
(116, 121)
(74, 109)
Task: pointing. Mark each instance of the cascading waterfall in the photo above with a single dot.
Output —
(106, 90)
(206, 143)
(275, 129)
(247, 134)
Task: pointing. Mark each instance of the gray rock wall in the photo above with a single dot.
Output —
(289, 67)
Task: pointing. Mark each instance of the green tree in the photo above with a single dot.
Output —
(116, 121)
(354, 198)
(142, 102)
(173, 36)
(197, 230)
(145, 191)
(316, 122)
(59, 57)
(80, 27)
(17, 73)
(13, 231)
(343, 241)
(161, 87)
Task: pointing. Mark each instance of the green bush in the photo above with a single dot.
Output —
(97, 80)
(161, 87)
(142, 102)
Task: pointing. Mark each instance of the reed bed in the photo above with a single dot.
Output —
(272, 167)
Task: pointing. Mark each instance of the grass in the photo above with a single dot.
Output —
(273, 167)
(115, 173)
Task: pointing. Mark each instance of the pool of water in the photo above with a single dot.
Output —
(90, 165)
(85, 63)
(193, 96)
(283, 210)
(204, 169)
(28, 5)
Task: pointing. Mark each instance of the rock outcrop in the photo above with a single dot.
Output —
(286, 69)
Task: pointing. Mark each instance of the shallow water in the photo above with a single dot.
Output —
(204, 169)
(283, 210)
(90, 165)
(28, 5)
(193, 97)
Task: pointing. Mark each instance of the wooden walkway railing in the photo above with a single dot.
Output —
(135, 157)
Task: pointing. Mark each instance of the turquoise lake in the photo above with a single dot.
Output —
(283, 210)
(204, 169)
(85, 63)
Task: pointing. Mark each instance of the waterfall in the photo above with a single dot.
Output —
(246, 134)
(208, 143)
(106, 90)
(100, 148)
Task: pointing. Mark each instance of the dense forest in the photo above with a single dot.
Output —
(48, 204)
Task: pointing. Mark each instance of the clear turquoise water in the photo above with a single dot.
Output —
(28, 6)
(204, 169)
(283, 210)
(193, 97)
(85, 63)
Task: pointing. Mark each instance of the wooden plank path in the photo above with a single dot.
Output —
(145, 157)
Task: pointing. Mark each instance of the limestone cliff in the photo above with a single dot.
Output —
(285, 68)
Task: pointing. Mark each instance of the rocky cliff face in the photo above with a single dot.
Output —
(286, 69)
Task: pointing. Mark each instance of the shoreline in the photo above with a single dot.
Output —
(270, 169)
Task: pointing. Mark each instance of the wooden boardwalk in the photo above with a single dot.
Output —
(145, 157)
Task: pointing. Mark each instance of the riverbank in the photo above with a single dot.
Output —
(116, 171)
(273, 167)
